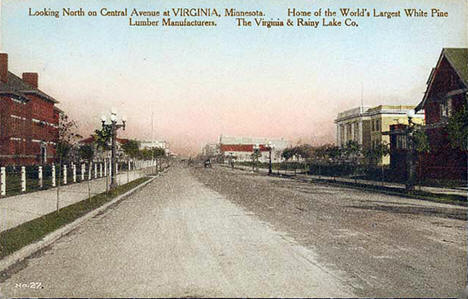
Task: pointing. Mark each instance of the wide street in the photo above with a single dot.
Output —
(229, 233)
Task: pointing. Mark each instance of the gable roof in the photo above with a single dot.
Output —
(16, 86)
(458, 60)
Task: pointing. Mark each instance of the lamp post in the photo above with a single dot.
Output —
(256, 150)
(231, 160)
(113, 126)
(410, 155)
(270, 148)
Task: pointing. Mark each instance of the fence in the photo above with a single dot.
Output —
(365, 172)
(15, 180)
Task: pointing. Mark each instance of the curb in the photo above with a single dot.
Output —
(28, 250)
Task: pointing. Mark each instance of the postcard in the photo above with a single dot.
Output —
(233, 148)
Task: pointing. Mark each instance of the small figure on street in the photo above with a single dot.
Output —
(207, 163)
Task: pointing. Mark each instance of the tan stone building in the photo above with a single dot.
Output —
(365, 125)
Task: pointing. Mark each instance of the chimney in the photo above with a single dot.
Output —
(31, 79)
(4, 67)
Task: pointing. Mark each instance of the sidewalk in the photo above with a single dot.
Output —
(433, 190)
(15, 210)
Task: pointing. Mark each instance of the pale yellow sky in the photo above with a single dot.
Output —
(200, 83)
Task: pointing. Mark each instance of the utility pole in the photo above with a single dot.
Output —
(410, 170)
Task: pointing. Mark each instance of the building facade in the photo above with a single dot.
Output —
(29, 119)
(242, 148)
(155, 144)
(446, 95)
(366, 125)
(211, 150)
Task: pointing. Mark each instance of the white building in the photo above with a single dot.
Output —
(155, 144)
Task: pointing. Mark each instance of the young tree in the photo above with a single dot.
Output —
(131, 148)
(457, 129)
(333, 153)
(86, 152)
(377, 153)
(67, 136)
(305, 151)
(352, 151)
(102, 138)
(288, 153)
(145, 154)
(421, 143)
(158, 152)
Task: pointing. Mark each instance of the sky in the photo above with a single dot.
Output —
(194, 84)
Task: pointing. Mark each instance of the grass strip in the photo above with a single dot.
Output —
(454, 199)
(17, 237)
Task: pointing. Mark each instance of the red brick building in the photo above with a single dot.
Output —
(28, 119)
(446, 94)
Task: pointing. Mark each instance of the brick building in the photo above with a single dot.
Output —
(446, 94)
(241, 148)
(28, 119)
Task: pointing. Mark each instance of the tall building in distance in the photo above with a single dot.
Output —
(366, 125)
(29, 119)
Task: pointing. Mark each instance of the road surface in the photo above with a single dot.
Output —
(388, 246)
(178, 238)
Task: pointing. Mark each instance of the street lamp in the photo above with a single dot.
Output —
(231, 160)
(256, 149)
(411, 171)
(113, 126)
(270, 148)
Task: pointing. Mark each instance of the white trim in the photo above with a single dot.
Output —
(17, 117)
(18, 101)
(44, 122)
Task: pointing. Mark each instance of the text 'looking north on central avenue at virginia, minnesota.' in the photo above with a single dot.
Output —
(318, 17)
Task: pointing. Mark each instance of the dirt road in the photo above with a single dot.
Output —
(388, 246)
(176, 237)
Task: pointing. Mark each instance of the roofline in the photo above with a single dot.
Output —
(41, 94)
(420, 106)
(12, 93)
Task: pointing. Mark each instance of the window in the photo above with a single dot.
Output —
(446, 109)
(401, 142)
(356, 131)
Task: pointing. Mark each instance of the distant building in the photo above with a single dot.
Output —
(29, 119)
(98, 153)
(366, 125)
(211, 150)
(241, 148)
(155, 144)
